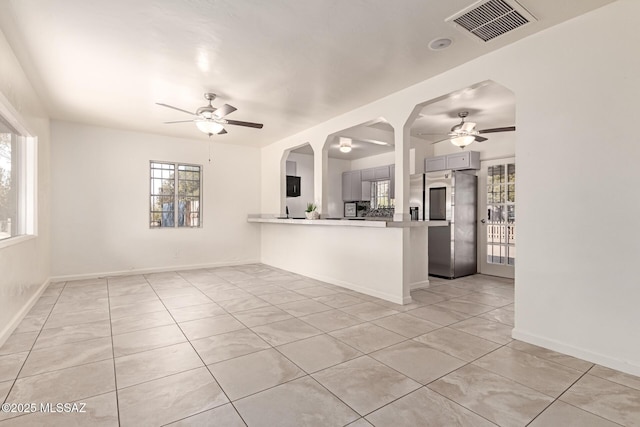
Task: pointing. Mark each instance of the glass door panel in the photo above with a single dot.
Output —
(498, 217)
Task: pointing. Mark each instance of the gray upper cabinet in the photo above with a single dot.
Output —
(435, 164)
(381, 172)
(464, 160)
(368, 174)
(457, 161)
(346, 186)
(351, 186)
(356, 185)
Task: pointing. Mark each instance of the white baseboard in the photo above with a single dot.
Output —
(419, 285)
(352, 286)
(600, 359)
(149, 270)
(6, 332)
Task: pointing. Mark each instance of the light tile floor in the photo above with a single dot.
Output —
(254, 345)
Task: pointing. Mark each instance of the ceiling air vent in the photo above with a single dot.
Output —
(488, 19)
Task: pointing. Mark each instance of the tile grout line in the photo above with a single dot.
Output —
(327, 333)
(200, 357)
(276, 349)
(322, 332)
(113, 354)
(34, 342)
(559, 396)
(83, 364)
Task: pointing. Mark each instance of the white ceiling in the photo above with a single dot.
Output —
(289, 64)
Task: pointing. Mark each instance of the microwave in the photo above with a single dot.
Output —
(350, 209)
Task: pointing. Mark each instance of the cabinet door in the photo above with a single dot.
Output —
(435, 164)
(368, 174)
(392, 183)
(458, 161)
(382, 172)
(346, 186)
(356, 185)
(366, 191)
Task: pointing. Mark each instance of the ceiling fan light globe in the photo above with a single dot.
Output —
(462, 141)
(345, 145)
(209, 126)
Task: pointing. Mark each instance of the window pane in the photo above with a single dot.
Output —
(495, 214)
(511, 214)
(495, 233)
(495, 174)
(511, 172)
(189, 213)
(8, 185)
(511, 193)
(496, 254)
(495, 194)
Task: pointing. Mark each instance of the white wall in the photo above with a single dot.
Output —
(304, 169)
(24, 267)
(576, 282)
(373, 161)
(101, 211)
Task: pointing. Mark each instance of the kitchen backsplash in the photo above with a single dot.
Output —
(380, 212)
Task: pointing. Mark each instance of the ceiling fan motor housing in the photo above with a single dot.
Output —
(206, 111)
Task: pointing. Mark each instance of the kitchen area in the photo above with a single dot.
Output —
(399, 200)
(363, 248)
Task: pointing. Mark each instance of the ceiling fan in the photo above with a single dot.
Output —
(464, 133)
(210, 119)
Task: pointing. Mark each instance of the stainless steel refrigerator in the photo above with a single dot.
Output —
(448, 196)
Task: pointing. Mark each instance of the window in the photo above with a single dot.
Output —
(170, 190)
(17, 182)
(380, 194)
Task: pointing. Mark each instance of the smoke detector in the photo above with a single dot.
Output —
(486, 20)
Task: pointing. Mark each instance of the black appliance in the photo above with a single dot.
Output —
(293, 186)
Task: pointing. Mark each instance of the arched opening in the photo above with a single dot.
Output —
(484, 114)
(297, 180)
(360, 171)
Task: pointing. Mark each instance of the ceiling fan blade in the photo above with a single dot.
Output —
(222, 132)
(480, 138)
(502, 129)
(223, 111)
(179, 121)
(175, 108)
(442, 140)
(247, 124)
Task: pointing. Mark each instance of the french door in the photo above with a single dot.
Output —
(497, 217)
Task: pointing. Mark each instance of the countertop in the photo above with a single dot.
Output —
(360, 222)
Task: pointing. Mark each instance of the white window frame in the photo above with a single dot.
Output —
(28, 175)
(175, 195)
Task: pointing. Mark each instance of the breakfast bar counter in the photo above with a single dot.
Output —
(375, 256)
(348, 222)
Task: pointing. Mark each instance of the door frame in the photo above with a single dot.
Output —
(483, 266)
